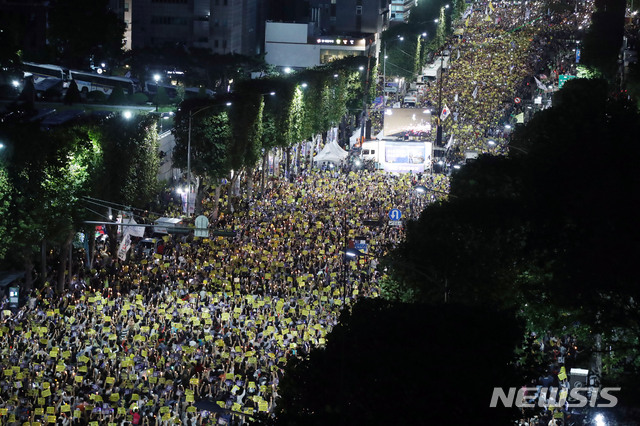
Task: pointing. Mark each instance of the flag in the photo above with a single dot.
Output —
(458, 54)
(455, 98)
(446, 112)
(450, 143)
(539, 84)
(520, 118)
(475, 92)
(490, 5)
(466, 23)
(527, 13)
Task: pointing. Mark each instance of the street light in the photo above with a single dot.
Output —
(156, 78)
(191, 114)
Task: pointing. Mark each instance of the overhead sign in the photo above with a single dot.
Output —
(395, 214)
(202, 227)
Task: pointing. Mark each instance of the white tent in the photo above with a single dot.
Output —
(331, 153)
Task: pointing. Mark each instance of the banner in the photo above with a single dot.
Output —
(539, 84)
(125, 245)
(450, 143)
(136, 231)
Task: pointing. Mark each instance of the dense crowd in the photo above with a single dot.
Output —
(217, 319)
(497, 51)
(141, 341)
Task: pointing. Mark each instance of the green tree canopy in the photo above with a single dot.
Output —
(128, 173)
(550, 232)
(210, 135)
(404, 364)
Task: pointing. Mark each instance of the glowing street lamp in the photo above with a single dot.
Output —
(156, 78)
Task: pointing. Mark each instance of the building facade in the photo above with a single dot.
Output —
(224, 26)
(122, 8)
(24, 24)
(292, 45)
(399, 10)
(345, 17)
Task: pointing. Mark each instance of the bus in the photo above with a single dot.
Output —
(88, 82)
(40, 72)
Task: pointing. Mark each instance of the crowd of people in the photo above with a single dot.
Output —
(142, 340)
(147, 339)
(497, 51)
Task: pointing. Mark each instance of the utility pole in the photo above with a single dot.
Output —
(364, 96)
(439, 112)
(384, 79)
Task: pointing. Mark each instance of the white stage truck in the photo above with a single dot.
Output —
(405, 143)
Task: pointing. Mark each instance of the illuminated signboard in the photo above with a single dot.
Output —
(337, 41)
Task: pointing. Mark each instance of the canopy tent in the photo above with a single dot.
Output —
(8, 277)
(331, 153)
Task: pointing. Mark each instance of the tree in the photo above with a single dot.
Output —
(603, 39)
(210, 133)
(72, 95)
(210, 138)
(79, 30)
(128, 174)
(538, 232)
(161, 98)
(47, 173)
(246, 118)
(388, 363)
(117, 97)
(5, 202)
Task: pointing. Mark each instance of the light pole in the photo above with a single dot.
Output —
(439, 130)
(364, 96)
(191, 114)
(156, 78)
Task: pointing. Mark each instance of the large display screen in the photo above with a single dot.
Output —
(407, 123)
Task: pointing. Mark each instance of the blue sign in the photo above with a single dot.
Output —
(395, 214)
(577, 56)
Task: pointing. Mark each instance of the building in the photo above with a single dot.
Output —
(348, 16)
(224, 26)
(399, 10)
(24, 24)
(122, 8)
(294, 45)
(325, 31)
